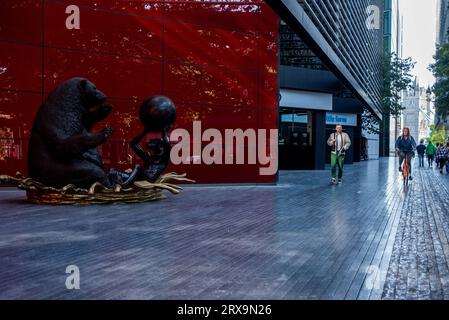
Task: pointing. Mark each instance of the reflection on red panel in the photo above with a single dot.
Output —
(268, 90)
(227, 117)
(17, 113)
(210, 85)
(269, 20)
(268, 53)
(186, 114)
(149, 8)
(218, 117)
(124, 119)
(20, 67)
(237, 15)
(13, 158)
(21, 21)
(116, 76)
(117, 154)
(103, 31)
(268, 118)
(223, 118)
(232, 49)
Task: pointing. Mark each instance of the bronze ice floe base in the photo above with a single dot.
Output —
(141, 191)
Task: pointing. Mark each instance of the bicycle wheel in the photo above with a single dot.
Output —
(406, 172)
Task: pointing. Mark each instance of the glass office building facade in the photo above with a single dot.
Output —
(343, 25)
(331, 68)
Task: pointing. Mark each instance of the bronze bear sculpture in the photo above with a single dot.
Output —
(62, 150)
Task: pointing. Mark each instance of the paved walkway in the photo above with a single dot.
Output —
(301, 239)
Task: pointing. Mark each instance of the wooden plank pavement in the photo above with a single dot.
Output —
(369, 238)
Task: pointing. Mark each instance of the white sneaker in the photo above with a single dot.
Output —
(334, 180)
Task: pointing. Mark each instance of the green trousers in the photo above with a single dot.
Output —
(337, 160)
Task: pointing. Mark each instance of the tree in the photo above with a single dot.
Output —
(440, 70)
(397, 77)
(370, 122)
(437, 135)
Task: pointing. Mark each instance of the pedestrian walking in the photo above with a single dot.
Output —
(364, 148)
(421, 149)
(447, 158)
(431, 150)
(441, 156)
(340, 142)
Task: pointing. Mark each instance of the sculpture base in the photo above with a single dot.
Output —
(142, 191)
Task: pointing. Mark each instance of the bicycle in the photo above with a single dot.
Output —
(406, 170)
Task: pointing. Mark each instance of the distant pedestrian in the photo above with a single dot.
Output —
(441, 156)
(364, 148)
(447, 157)
(340, 142)
(421, 149)
(431, 150)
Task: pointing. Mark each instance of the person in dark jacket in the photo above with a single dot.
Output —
(405, 146)
(441, 157)
(421, 149)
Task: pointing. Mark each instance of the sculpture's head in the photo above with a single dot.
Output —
(93, 100)
(157, 114)
(92, 97)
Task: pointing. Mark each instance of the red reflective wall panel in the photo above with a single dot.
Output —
(217, 60)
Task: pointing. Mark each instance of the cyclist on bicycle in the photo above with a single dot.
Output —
(405, 146)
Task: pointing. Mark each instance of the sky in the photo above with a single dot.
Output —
(420, 18)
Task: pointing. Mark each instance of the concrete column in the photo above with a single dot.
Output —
(357, 139)
(319, 139)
